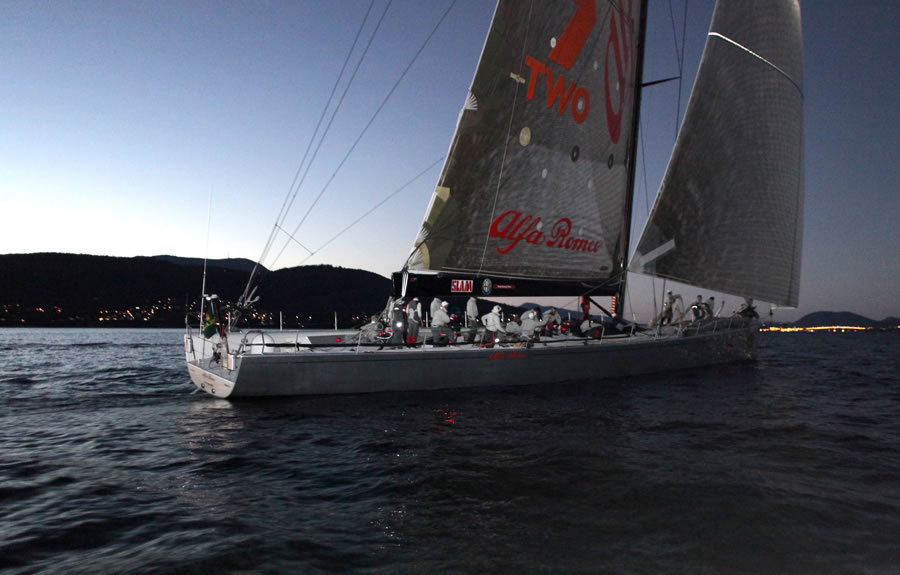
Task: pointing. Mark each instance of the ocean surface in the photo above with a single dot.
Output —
(110, 463)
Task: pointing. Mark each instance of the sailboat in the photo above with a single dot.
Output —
(535, 199)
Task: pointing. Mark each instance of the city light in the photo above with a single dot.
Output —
(829, 328)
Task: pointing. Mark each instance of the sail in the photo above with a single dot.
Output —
(535, 183)
(728, 216)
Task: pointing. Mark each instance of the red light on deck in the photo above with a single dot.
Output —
(337, 339)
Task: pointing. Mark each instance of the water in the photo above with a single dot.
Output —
(110, 464)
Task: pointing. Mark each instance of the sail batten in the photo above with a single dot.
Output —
(755, 55)
(730, 206)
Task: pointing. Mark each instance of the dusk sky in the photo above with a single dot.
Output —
(119, 121)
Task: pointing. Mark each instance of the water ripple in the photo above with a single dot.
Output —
(109, 464)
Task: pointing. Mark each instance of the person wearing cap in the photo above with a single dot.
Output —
(441, 318)
(440, 322)
(414, 318)
(530, 324)
(493, 326)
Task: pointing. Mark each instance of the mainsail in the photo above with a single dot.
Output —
(728, 216)
(536, 182)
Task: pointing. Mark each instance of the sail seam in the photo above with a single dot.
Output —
(755, 55)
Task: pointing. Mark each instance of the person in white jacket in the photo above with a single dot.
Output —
(435, 305)
(440, 322)
(529, 324)
(492, 326)
(441, 318)
(472, 318)
(472, 311)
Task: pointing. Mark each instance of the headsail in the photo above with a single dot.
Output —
(729, 212)
(535, 183)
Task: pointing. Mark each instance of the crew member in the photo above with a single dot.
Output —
(439, 324)
(530, 324)
(472, 312)
(551, 321)
(666, 315)
(697, 308)
(493, 327)
(709, 307)
(414, 318)
(472, 318)
(748, 310)
(369, 332)
(435, 305)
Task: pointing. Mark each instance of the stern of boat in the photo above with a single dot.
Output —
(210, 367)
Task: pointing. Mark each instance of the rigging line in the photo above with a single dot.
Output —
(506, 143)
(293, 238)
(205, 256)
(328, 126)
(678, 54)
(284, 211)
(681, 65)
(375, 207)
(337, 108)
(372, 119)
(286, 206)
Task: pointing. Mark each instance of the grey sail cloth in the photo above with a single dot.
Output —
(729, 213)
(535, 182)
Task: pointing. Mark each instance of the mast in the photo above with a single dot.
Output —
(632, 153)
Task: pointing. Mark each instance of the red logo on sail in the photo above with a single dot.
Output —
(516, 227)
(575, 35)
(569, 96)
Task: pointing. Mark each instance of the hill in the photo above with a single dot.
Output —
(237, 264)
(72, 289)
(825, 318)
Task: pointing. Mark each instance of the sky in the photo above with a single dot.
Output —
(177, 127)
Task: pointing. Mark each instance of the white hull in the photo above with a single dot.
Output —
(284, 371)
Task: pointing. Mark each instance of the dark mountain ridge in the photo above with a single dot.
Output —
(237, 264)
(75, 289)
(846, 318)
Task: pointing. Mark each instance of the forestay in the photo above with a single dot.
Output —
(535, 183)
(729, 213)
